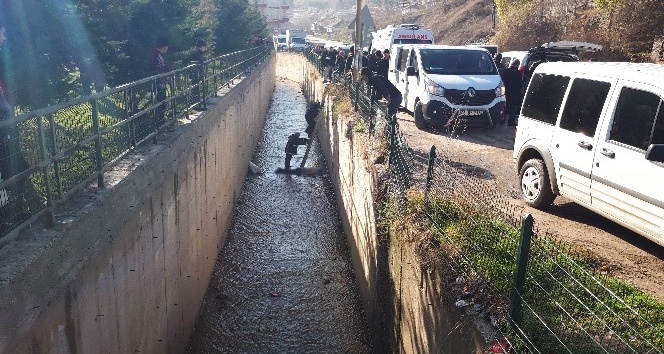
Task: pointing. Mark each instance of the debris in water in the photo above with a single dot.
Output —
(254, 169)
(461, 303)
(500, 347)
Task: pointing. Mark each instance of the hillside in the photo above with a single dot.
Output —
(623, 27)
(452, 21)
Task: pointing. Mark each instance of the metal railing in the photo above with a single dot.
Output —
(50, 153)
(542, 295)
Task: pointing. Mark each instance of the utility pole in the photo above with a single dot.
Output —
(358, 41)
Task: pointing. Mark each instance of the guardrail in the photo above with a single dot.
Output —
(50, 153)
(542, 295)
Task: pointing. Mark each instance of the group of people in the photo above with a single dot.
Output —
(375, 67)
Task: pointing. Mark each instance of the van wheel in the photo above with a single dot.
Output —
(420, 123)
(535, 184)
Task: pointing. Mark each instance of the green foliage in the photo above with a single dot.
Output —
(107, 42)
(606, 4)
(562, 289)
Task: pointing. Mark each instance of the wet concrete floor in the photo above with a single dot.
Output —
(283, 282)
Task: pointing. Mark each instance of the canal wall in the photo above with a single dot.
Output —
(404, 300)
(126, 267)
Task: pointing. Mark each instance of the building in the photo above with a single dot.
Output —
(276, 13)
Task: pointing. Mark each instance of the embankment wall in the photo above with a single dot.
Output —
(126, 268)
(405, 303)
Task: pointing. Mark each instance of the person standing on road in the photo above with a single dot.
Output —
(383, 88)
(497, 59)
(350, 58)
(327, 61)
(340, 64)
(513, 81)
(383, 66)
(157, 65)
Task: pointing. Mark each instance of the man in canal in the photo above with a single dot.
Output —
(294, 141)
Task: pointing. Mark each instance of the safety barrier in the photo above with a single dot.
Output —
(48, 154)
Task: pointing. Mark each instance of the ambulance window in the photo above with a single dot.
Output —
(403, 60)
(413, 59)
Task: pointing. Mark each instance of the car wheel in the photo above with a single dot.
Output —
(535, 185)
(420, 123)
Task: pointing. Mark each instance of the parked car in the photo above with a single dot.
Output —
(548, 52)
(440, 82)
(594, 133)
(492, 48)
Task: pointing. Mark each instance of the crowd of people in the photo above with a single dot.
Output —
(374, 69)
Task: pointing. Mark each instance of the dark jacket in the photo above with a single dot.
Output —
(293, 142)
(383, 87)
(327, 58)
(513, 81)
(196, 57)
(383, 67)
(311, 113)
(349, 61)
(156, 63)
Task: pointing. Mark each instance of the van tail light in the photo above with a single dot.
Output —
(522, 69)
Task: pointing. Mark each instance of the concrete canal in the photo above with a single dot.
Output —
(283, 281)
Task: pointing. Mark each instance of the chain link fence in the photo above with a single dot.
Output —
(48, 154)
(541, 295)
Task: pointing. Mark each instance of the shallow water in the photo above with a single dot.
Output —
(283, 282)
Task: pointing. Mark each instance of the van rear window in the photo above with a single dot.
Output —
(544, 97)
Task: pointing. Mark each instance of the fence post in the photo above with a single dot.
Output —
(155, 110)
(97, 131)
(392, 123)
(54, 152)
(516, 292)
(357, 94)
(50, 221)
(173, 99)
(203, 89)
(432, 161)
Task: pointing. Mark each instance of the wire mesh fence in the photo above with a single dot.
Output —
(47, 154)
(546, 297)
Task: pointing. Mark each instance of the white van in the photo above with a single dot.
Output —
(440, 82)
(280, 42)
(594, 133)
(401, 34)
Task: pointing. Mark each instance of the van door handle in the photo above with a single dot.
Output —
(608, 153)
(585, 145)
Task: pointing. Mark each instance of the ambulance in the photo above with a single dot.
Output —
(401, 34)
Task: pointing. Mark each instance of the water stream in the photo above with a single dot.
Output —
(283, 282)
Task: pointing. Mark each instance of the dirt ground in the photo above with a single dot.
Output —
(621, 252)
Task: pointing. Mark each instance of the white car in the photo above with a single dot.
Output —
(439, 83)
(594, 133)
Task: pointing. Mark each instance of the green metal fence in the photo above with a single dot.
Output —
(541, 295)
(52, 152)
